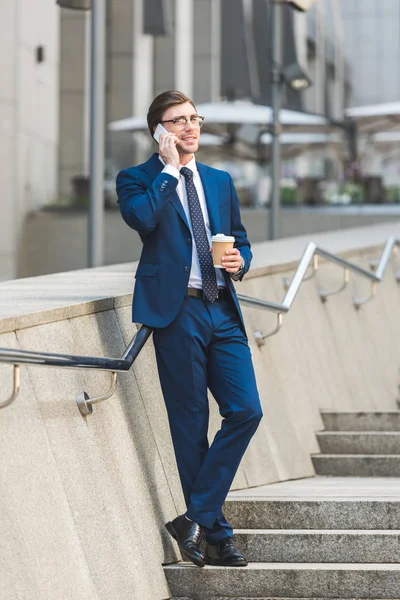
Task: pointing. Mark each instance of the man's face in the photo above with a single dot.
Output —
(188, 134)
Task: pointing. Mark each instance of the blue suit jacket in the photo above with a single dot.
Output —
(150, 205)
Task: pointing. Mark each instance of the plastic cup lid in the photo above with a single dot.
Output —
(220, 237)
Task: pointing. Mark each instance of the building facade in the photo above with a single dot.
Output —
(29, 116)
(210, 49)
(372, 34)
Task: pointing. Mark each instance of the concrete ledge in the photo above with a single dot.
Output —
(287, 252)
(49, 298)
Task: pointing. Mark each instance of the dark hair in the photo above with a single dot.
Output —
(161, 103)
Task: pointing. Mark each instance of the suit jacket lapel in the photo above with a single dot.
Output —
(153, 167)
(211, 193)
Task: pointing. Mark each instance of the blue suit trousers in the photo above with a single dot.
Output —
(205, 347)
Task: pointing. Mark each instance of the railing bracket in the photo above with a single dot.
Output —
(358, 302)
(287, 281)
(260, 337)
(85, 403)
(16, 386)
(325, 293)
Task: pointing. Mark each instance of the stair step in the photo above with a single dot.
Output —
(323, 546)
(287, 580)
(361, 421)
(366, 442)
(355, 513)
(359, 465)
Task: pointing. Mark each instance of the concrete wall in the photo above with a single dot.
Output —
(84, 500)
(28, 116)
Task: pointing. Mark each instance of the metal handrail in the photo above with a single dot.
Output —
(70, 361)
(310, 256)
(123, 364)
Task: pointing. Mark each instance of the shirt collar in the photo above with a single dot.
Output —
(190, 165)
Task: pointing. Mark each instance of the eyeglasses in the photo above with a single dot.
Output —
(181, 122)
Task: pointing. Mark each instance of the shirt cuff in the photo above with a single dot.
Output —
(170, 170)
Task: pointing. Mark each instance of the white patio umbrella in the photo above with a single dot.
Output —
(303, 139)
(376, 118)
(246, 113)
(239, 113)
(129, 124)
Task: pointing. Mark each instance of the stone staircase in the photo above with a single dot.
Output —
(361, 444)
(316, 538)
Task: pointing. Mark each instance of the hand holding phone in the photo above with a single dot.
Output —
(168, 150)
(159, 130)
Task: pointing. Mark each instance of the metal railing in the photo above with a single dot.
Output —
(69, 361)
(310, 257)
(123, 364)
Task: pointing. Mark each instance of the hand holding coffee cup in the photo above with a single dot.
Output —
(225, 256)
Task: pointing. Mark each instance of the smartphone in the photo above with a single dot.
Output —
(159, 130)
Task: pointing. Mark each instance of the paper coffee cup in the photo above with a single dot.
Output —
(220, 244)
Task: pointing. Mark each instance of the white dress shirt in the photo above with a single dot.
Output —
(195, 280)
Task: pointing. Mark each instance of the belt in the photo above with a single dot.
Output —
(223, 293)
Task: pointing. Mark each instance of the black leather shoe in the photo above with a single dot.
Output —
(224, 554)
(188, 534)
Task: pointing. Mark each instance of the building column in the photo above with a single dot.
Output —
(320, 59)
(29, 38)
(143, 53)
(73, 98)
(206, 50)
(9, 157)
(215, 58)
(339, 60)
(184, 46)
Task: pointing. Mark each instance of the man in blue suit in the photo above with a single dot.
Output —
(176, 205)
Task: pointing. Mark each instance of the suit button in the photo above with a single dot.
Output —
(188, 240)
(186, 269)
